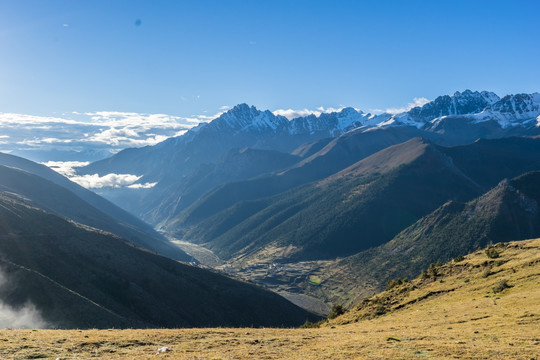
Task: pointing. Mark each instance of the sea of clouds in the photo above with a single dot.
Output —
(73, 140)
(69, 141)
(105, 131)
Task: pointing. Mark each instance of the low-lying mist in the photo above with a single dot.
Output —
(25, 316)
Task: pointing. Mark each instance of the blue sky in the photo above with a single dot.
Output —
(189, 58)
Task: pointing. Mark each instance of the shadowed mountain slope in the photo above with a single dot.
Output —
(489, 161)
(342, 214)
(448, 120)
(357, 208)
(235, 165)
(89, 196)
(79, 277)
(59, 200)
(510, 211)
(72, 201)
(334, 156)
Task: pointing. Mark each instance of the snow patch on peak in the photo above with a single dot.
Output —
(267, 120)
(241, 111)
(460, 103)
(349, 117)
(243, 117)
(513, 110)
(405, 119)
(333, 123)
(518, 105)
(490, 97)
(349, 111)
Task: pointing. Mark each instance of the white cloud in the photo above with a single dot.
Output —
(25, 317)
(139, 122)
(11, 119)
(110, 180)
(142, 186)
(101, 132)
(292, 114)
(180, 133)
(66, 168)
(206, 118)
(52, 140)
(416, 102)
(332, 109)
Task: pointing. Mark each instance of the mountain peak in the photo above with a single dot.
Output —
(467, 92)
(243, 110)
(332, 123)
(515, 109)
(460, 103)
(350, 111)
(243, 117)
(469, 95)
(518, 103)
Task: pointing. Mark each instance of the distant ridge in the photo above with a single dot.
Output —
(80, 277)
(449, 120)
(51, 191)
(507, 212)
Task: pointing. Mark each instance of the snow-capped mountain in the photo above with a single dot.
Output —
(460, 103)
(511, 111)
(448, 120)
(458, 118)
(467, 102)
(245, 118)
(334, 123)
(514, 110)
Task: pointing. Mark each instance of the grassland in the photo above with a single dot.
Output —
(456, 310)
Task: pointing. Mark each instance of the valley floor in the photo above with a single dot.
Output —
(456, 315)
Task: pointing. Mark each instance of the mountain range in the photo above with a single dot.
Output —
(318, 208)
(53, 192)
(72, 275)
(257, 188)
(507, 211)
(448, 120)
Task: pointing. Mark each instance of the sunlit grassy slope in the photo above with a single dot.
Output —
(457, 310)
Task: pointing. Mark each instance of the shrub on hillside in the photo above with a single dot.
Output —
(393, 283)
(492, 252)
(379, 310)
(310, 325)
(500, 286)
(336, 311)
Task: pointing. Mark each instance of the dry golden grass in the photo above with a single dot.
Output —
(460, 317)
